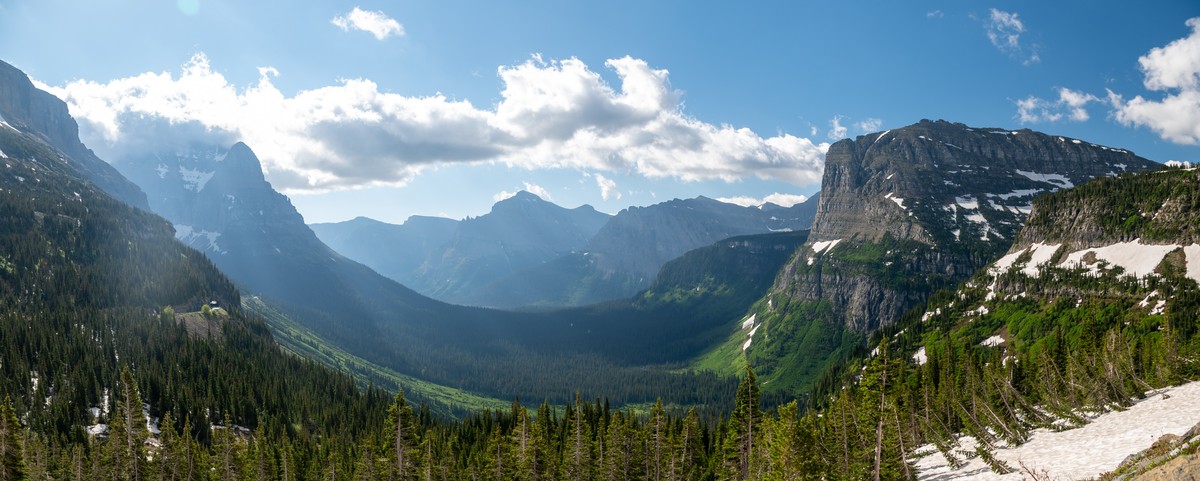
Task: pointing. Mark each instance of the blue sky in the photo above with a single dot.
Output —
(393, 108)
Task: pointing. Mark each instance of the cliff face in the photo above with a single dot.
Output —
(939, 200)
(30, 110)
(902, 214)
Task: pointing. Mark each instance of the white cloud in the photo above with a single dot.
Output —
(836, 130)
(785, 200)
(375, 23)
(869, 125)
(1175, 70)
(608, 188)
(934, 14)
(556, 114)
(528, 187)
(1071, 104)
(1004, 29)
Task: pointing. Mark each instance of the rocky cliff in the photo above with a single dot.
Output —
(28, 109)
(902, 214)
(938, 200)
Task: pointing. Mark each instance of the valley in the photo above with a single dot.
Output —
(947, 301)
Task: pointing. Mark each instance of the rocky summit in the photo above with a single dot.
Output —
(902, 214)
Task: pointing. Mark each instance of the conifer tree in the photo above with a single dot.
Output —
(399, 440)
(12, 463)
(738, 448)
(577, 454)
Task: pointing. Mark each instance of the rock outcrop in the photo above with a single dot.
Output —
(31, 110)
(939, 200)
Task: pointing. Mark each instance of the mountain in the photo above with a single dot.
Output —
(1095, 306)
(451, 260)
(625, 255)
(38, 113)
(93, 286)
(902, 214)
(395, 251)
(326, 306)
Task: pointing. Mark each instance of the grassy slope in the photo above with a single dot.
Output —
(300, 341)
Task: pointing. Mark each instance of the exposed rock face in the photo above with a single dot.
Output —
(31, 110)
(933, 202)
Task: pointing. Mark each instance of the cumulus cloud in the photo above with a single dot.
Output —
(837, 131)
(1004, 30)
(785, 200)
(528, 187)
(608, 188)
(1175, 70)
(1071, 105)
(552, 114)
(375, 23)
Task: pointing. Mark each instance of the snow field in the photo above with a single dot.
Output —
(1084, 452)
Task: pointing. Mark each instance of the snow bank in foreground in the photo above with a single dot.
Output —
(1084, 452)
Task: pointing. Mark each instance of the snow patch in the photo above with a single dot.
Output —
(1018, 193)
(749, 322)
(162, 171)
(1085, 452)
(877, 139)
(819, 247)
(1057, 179)
(1192, 253)
(892, 197)
(992, 341)
(192, 237)
(967, 202)
(194, 180)
(1138, 259)
(919, 357)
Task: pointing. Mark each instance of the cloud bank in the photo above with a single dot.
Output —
(1175, 70)
(552, 114)
(785, 200)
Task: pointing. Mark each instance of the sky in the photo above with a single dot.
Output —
(387, 109)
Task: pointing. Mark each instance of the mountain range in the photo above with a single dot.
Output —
(530, 252)
(1034, 278)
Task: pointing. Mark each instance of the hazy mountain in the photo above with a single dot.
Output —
(451, 260)
(93, 285)
(396, 251)
(321, 302)
(44, 116)
(624, 256)
(903, 213)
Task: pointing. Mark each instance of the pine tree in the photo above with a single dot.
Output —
(577, 454)
(126, 452)
(400, 436)
(742, 428)
(12, 465)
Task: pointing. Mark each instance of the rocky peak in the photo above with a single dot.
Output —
(934, 182)
(36, 112)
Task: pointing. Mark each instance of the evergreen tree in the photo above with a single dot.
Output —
(12, 462)
(743, 426)
(577, 453)
(400, 437)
